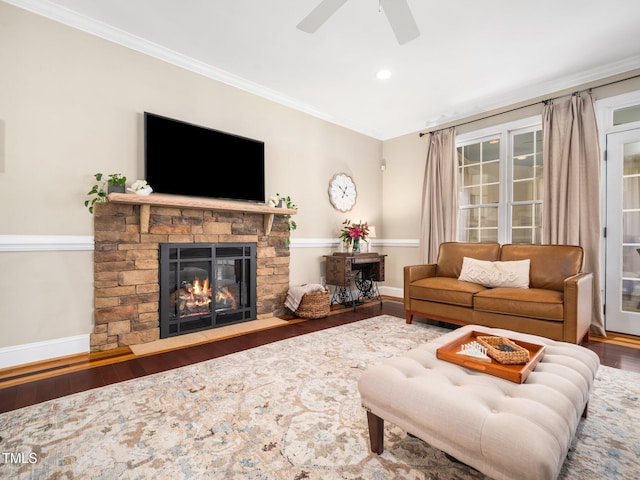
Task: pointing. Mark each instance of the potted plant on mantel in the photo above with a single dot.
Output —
(285, 202)
(114, 182)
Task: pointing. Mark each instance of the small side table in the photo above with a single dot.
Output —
(364, 270)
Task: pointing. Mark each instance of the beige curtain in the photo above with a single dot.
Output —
(439, 194)
(571, 213)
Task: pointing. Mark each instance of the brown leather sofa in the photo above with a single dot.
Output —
(556, 305)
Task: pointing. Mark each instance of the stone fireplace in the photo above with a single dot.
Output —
(129, 231)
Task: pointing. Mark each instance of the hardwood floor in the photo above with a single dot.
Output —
(104, 370)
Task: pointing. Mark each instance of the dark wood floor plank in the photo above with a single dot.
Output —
(616, 356)
(37, 391)
(8, 398)
(27, 395)
(85, 380)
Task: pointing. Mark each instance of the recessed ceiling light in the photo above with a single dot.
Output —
(383, 75)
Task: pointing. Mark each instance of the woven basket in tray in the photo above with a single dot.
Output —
(519, 355)
(314, 305)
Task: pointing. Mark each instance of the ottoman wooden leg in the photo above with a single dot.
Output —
(376, 432)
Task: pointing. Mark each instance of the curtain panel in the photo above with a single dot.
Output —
(571, 213)
(439, 194)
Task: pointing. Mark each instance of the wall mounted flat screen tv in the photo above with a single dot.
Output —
(186, 159)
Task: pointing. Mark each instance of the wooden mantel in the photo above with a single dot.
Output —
(163, 200)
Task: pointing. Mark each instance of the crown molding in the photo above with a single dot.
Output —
(107, 32)
(543, 89)
(477, 107)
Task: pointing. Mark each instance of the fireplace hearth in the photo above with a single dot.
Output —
(206, 285)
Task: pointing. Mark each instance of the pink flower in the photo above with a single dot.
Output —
(353, 230)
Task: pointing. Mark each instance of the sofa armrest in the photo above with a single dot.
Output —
(416, 272)
(578, 305)
(413, 273)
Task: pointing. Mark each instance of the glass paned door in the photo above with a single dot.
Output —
(623, 232)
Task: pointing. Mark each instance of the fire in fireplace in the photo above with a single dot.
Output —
(206, 285)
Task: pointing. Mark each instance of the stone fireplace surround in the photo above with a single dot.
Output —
(127, 232)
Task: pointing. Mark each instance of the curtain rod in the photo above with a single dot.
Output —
(422, 134)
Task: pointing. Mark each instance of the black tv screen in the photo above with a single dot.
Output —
(186, 159)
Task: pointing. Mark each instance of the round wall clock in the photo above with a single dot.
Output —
(342, 192)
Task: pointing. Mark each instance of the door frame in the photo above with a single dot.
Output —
(604, 111)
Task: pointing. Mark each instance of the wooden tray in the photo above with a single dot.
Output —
(513, 373)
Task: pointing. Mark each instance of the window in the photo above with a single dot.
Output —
(501, 184)
(623, 116)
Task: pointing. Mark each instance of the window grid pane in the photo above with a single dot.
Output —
(479, 177)
(526, 187)
(502, 201)
(626, 115)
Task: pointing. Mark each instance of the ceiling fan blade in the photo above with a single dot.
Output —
(319, 15)
(401, 20)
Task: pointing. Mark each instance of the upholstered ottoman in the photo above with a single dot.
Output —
(505, 430)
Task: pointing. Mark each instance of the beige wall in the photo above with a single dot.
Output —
(405, 157)
(401, 189)
(71, 105)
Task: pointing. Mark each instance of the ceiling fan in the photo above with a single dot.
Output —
(397, 11)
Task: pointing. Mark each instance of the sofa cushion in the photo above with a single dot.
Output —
(550, 264)
(445, 290)
(450, 256)
(496, 274)
(531, 302)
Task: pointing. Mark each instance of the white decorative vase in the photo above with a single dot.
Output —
(145, 191)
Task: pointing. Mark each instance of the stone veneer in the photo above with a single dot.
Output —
(126, 279)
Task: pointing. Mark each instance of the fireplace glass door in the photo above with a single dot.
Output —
(205, 286)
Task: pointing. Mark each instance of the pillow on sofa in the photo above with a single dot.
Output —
(513, 274)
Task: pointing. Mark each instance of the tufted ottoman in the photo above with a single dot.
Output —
(503, 429)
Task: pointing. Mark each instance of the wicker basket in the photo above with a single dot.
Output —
(314, 305)
(514, 354)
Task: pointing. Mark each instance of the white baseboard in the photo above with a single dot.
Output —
(39, 351)
(392, 291)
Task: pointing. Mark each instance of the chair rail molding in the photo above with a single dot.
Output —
(334, 242)
(46, 243)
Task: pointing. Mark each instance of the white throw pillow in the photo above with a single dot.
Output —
(496, 274)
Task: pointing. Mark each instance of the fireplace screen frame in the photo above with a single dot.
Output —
(220, 261)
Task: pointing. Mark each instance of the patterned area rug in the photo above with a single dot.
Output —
(288, 410)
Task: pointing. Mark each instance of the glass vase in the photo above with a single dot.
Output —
(356, 245)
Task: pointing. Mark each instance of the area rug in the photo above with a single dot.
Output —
(289, 410)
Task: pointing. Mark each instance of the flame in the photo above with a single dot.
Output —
(223, 294)
(199, 294)
(197, 297)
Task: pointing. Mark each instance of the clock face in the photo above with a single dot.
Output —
(342, 192)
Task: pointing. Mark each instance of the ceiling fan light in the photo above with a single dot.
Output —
(383, 75)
